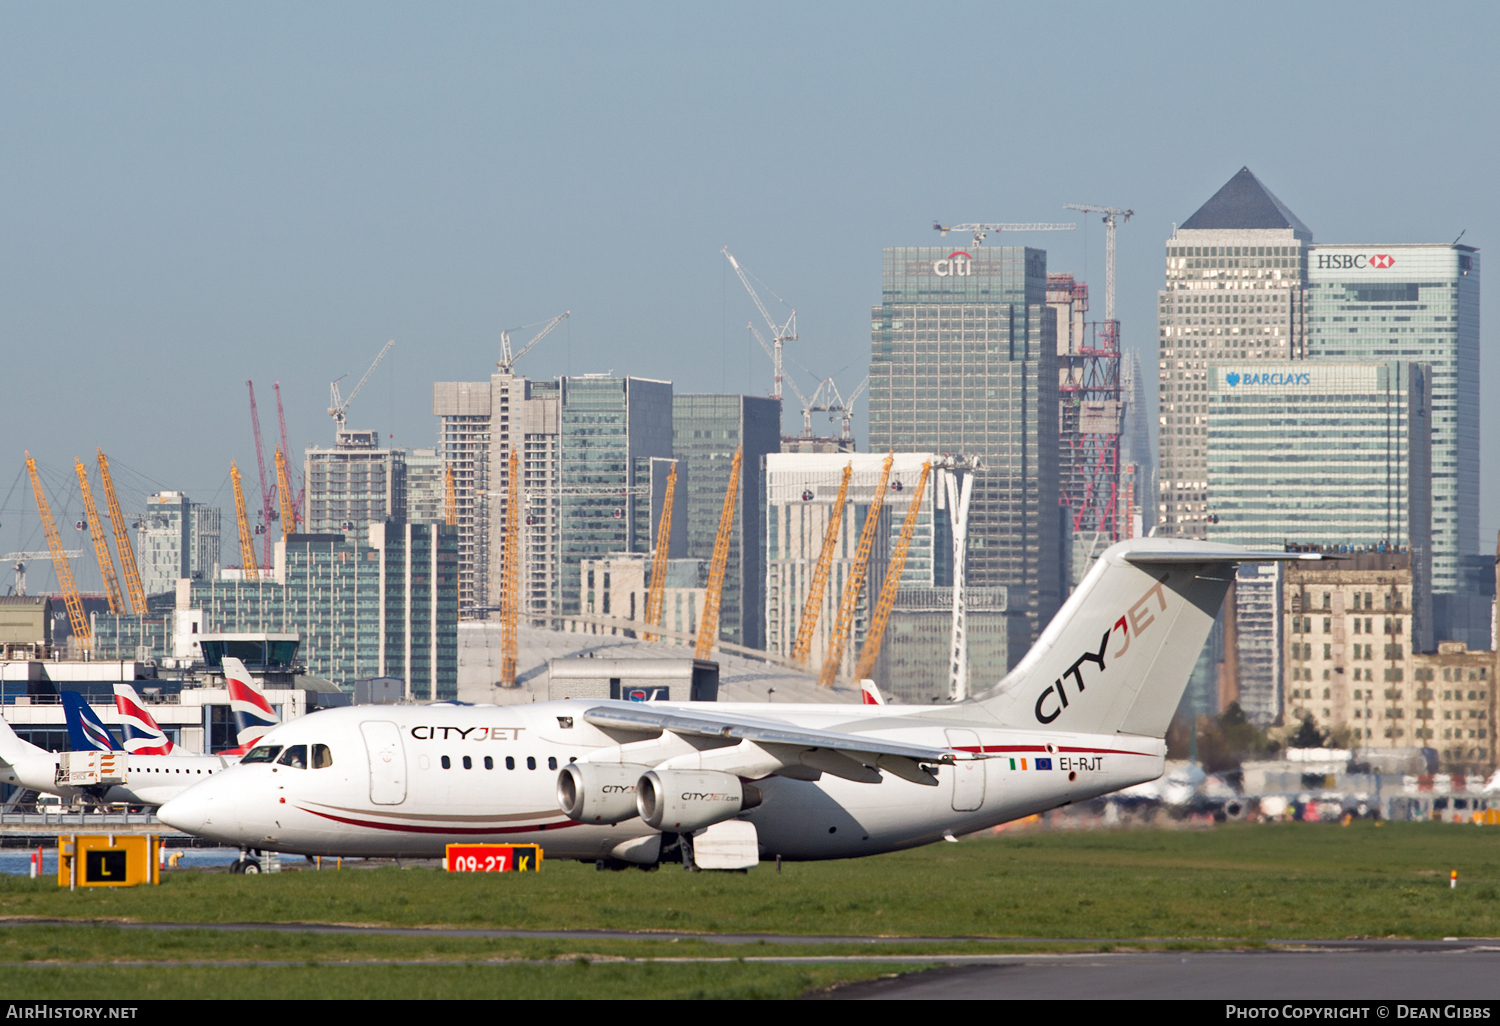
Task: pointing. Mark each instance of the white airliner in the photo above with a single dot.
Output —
(1082, 715)
(150, 778)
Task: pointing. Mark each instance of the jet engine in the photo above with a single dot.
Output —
(681, 801)
(598, 792)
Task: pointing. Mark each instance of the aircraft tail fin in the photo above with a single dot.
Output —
(253, 715)
(1116, 658)
(86, 731)
(869, 693)
(142, 735)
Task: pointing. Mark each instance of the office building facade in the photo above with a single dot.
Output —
(177, 538)
(1235, 290)
(706, 431)
(964, 361)
(1418, 303)
(353, 484)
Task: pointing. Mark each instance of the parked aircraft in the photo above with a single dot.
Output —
(1083, 714)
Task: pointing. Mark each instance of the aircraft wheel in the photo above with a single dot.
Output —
(250, 866)
(237, 866)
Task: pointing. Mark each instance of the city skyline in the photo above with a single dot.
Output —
(249, 207)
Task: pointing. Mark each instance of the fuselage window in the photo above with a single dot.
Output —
(265, 753)
(468, 763)
(489, 763)
(510, 762)
(530, 762)
(295, 757)
(447, 763)
(552, 762)
(322, 757)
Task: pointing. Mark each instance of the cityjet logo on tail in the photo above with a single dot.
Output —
(959, 265)
(1137, 619)
(1358, 261)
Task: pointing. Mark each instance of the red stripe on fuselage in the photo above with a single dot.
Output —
(1042, 748)
(405, 829)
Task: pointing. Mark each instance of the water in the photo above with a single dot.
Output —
(17, 861)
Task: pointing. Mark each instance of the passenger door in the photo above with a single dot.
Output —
(968, 776)
(387, 762)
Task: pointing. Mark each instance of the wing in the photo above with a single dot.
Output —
(752, 747)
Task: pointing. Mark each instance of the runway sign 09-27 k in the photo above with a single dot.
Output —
(493, 858)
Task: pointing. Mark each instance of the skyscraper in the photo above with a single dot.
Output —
(1235, 290)
(706, 431)
(964, 361)
(177, 539)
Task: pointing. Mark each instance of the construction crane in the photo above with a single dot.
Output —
(780, 334)
(981, 230)
(286, 447)
(451, 499)
(507, 360)
(708, 622)
(892, 582)
(268, 514)
(812, 606)
(808, 405)
(833, 402)
(101, 546)
(510, 578)
(338, 407)
(60, 565)
(133, 586)
(21, 558)
(1113, 216)
(288, 518)
(659, 558)
(247, 539)
(856, 580)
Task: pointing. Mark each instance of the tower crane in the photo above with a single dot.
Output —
(133, 584)
(338, 407)
(659, 558)
(101, 546)
(510, 578)
(60, 565)
(833, 402)
(21, 558)
(812, 606)
(1113, 216)
(981, 230)
(892, 582)
(856, 580)
(780, 334)
(247, 540)
(708, 622)
(268, 512)
(507, 360)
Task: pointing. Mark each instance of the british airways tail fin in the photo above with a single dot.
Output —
(86, 731)
(869, 693)
(1116, 658)
(253, 715)
(142, 735)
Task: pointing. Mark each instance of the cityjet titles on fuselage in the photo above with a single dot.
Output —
(421, 733)
(958, 265)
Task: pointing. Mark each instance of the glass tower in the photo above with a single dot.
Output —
(964, 361)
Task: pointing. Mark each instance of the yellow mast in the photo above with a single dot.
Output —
(658, 590)
(247, 540)
(812, 606)
(892, 583)
(452, 498)
(133, 585)
(101, 546)
(60, 565)
(855, 582)
(708, 621)
(510, 578)
(284, 492)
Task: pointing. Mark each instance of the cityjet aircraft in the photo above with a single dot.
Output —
(155, 770)
(1082, 715)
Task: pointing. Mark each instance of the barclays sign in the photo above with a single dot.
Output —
(1233, 379)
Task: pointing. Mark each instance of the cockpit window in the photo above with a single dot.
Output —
(262, 753)
(322, 757)
(295, 757)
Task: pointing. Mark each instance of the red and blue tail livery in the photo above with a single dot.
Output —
(86, 731)
(253, 715)
(142, 735)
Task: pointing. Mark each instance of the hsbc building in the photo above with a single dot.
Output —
(1418, 303)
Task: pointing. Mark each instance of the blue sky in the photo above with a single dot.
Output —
(196, 195)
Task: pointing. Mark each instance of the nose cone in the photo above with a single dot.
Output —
(189, 812)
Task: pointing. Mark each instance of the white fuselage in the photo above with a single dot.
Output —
(379, 796)
(149, 779)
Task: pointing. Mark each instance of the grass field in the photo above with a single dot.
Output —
(1232, 884)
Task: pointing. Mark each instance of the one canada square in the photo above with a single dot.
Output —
(963, 361)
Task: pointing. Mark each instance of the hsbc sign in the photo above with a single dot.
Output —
(1358, 261)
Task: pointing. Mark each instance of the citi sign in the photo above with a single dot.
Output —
(1358, 261)
(958, 265)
